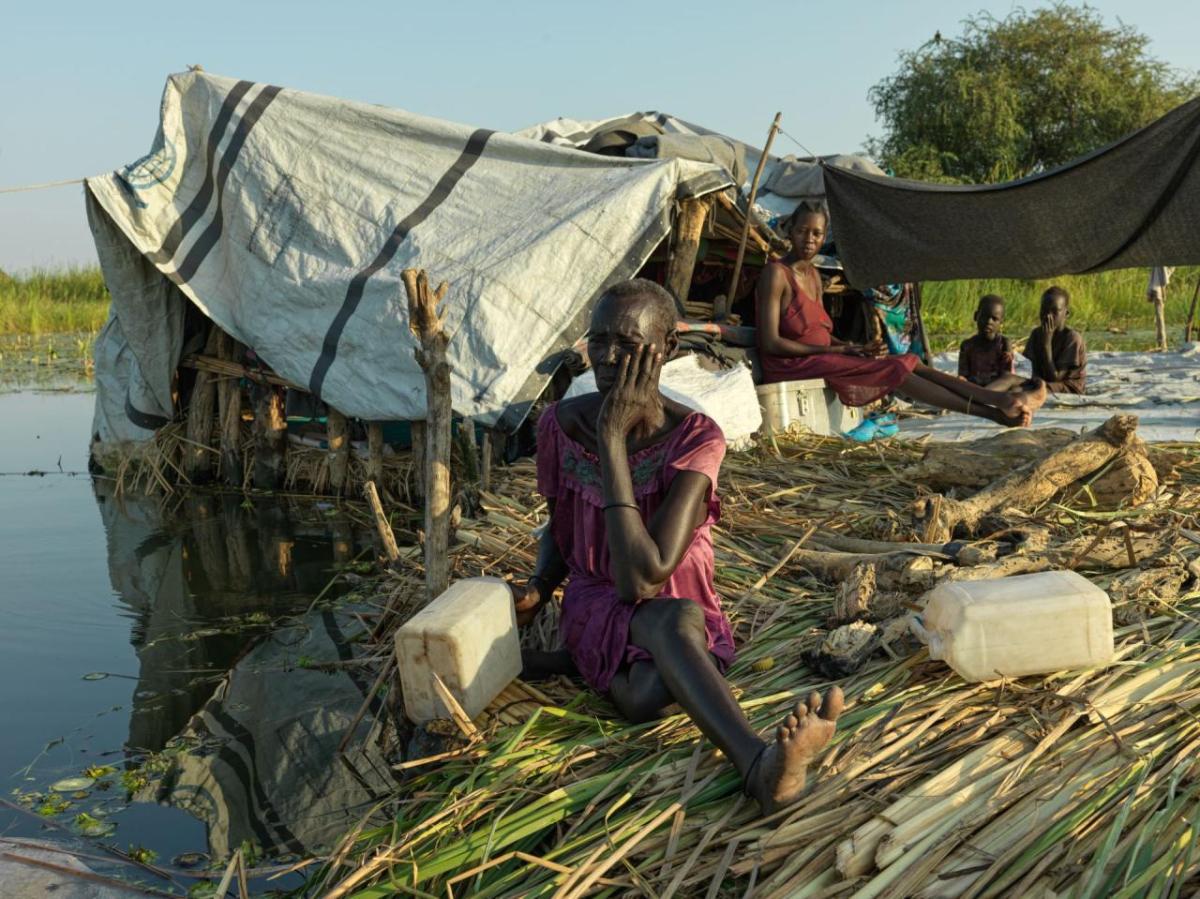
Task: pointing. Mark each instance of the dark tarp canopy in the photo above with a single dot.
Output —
(1134, 203)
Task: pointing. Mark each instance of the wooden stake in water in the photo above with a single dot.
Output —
(758, 170)
(427, 325)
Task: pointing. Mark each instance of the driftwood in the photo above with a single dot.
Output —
(1130, 480)
(859, 598)
(427, 324)
(938, 517)
(382, 526)
(1122, 549)
(977, 463)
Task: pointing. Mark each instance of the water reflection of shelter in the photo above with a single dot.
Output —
(267, 770)
(267, 729)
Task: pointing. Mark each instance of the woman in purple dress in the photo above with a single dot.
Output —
(630, 478)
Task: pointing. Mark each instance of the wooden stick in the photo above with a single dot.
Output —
(457, 713)
(337, 429)
(229, 409)
(689, 225)
(270, 429)
(366, 703)
(1187, 329)
(375, 453)
(386, 536)
(427, 324)
(197, 457)
(741, 253)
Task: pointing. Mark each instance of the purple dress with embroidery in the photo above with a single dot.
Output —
(595, 622)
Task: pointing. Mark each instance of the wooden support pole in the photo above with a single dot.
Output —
(270, 434)
(758, 170)
(197, 453)
(1191, 318)
(1028, 485)
(1160, 318)
(427, 325)
(382, 525)
(689, 225)
(466, 431)
(375, 453)
(229, 406)
(485, 467)
(337, 433)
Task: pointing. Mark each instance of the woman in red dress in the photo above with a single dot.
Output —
(795, 342)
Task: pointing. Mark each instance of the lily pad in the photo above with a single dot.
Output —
(93, 827)
(72, 784)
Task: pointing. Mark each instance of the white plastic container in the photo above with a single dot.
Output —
(809, 404)
(1029, 624)
(468, 637)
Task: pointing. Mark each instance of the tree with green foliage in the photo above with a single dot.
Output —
(1017, 95)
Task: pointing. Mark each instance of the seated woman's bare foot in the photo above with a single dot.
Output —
(777, 778)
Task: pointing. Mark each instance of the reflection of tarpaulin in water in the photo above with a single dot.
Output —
(267, 770)
(213, 560)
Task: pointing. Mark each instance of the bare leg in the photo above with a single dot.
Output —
(925, 391)
(672, 631)
(1010, 404)
(538, 664)
(1007, 383)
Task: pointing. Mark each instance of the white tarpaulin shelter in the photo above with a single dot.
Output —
(287, 219)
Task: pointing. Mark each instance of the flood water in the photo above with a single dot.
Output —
(172, 650)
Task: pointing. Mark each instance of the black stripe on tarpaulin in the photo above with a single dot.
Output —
(262, 813)
(195, 209)
(208, 239)
(146, 420)
(354, 293)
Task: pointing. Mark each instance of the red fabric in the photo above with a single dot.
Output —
(855, 379)
(595, 622)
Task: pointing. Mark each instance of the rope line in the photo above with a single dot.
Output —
(42, 186)
(798, 144)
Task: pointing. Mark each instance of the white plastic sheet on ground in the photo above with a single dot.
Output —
(1162, 389)
(288, 218)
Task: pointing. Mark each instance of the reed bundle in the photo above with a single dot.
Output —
(1075, 784)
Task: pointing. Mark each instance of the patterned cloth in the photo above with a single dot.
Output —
(982, 361)
(595, 622)
(856, 380)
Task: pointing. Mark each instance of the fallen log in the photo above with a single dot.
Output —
(938, 517)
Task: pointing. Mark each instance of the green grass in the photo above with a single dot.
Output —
(1099, 304)
(53, 302)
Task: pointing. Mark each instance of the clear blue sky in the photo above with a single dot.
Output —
(80, 81)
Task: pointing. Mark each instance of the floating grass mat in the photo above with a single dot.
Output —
(1076, 784)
